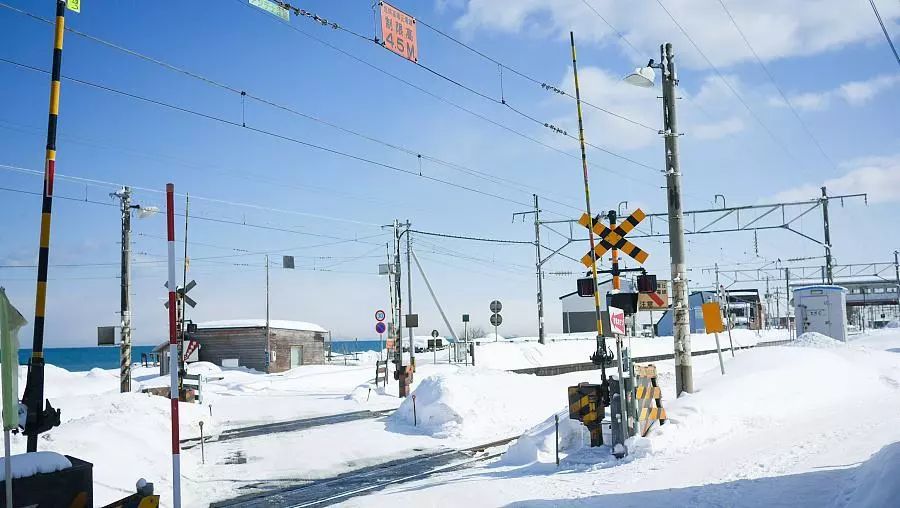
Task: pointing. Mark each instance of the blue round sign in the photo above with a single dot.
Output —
(379, 327)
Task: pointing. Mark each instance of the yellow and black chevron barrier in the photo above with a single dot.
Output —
(646, 394)
(586, 406)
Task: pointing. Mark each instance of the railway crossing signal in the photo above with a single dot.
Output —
(613, 238)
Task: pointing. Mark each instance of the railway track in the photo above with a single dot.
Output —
(369, 479)
(286, 426)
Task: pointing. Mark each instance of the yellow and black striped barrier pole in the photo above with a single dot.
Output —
(39, 420)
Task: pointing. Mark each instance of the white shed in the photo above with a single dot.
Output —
(822, 309)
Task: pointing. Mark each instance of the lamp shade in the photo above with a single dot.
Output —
(642, 76)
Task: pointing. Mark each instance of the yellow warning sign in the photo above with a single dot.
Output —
(73, 5)
(712, 317)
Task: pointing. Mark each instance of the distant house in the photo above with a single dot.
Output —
(579, 315)
(695, 300)
(242, 343)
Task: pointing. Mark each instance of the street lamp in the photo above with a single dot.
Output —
(645, 77)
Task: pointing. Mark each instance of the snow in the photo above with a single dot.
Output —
(816, 339)
(786, 426)
(30, 464)
(255, 323)
(476, 403)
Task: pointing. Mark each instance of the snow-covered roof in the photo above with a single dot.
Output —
(255, 323)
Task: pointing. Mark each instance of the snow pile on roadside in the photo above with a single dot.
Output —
(474, 402)
(816, 339)
(874, 482)
(30, 464)
(204, 368)
(539, 443)
(894, 323)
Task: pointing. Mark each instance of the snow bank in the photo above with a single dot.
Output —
(474, 402)
(816, 339)
(538, 445)
(894, 323)
(30, 464)
(256, 323)
(874, 483)
(204, 368)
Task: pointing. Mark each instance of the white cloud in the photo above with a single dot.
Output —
(879, 177)
(718, 130)
(604, 88)
(854, 93)
(775, 28)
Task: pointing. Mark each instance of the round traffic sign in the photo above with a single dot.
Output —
(496, 319)
(379, 315)
(434, 333)
(379, 327)
(496, 306)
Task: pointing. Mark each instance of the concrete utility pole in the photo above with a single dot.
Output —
(684, 378)
(268, 347)
(124, 196)
(538, 271)
(412, 345)
(398, 293)
(897, 278)
(787, 310)
(829, 272)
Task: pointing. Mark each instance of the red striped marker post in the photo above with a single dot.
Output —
(173, 347)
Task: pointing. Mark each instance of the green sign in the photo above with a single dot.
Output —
(10, 322)
(271, 8)
(74, 5)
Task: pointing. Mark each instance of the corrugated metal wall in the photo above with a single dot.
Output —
(248, 345)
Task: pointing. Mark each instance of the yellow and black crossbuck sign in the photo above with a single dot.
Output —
(585, 406)
(614, 238)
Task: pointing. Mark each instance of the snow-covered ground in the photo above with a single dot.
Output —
(787, 425)
(812, 424)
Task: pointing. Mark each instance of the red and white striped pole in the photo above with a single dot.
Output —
(173, 347)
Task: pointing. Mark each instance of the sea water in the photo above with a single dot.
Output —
(81, 359)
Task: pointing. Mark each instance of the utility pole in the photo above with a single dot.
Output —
(787, 310)
(412, 345)
(768, 321)
(538, 271)
(897, 278)
(399, 309)
(124, 196)
(723, 295)
(829, 273)
(684, 378)
(268, 346)
(600, 356)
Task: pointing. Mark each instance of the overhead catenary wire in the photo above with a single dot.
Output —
(728, 85)
(784, 97)
(266, 132)
(884, 29)
(456, 105)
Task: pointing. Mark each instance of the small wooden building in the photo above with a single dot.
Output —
(242, 343)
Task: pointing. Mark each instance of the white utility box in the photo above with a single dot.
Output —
(821, 309)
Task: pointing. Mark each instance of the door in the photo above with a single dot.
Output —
(296, 356)
(817, 316)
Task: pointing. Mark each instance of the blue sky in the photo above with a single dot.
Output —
(829, 58)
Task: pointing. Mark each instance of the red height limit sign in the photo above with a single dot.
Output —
(398, 32)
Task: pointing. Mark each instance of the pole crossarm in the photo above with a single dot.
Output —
(731, 219)
(801, 274)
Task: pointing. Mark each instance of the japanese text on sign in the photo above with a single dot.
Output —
(398, 31)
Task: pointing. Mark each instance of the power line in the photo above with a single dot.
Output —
(273, 134)
(474, 238)
(243, 94)
(454, 104)
(727, 84)
(614, 29)
(780, 91)
(207, 219)
(883, 29)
